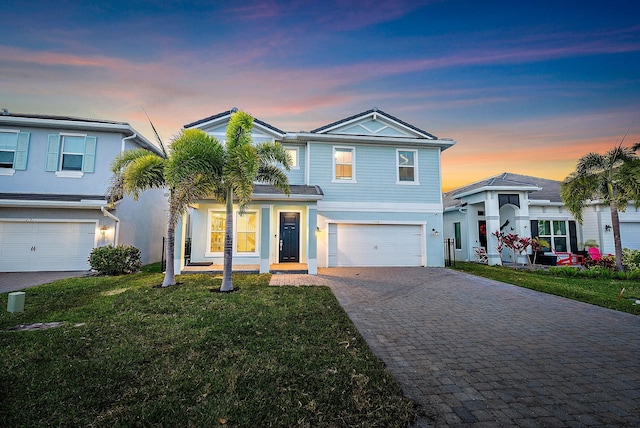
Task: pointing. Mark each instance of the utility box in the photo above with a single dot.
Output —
(16, 301)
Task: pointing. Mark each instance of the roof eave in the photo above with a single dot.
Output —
(346, 138)
(496, 188)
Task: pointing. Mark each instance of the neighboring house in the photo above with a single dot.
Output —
(54, 174)
(530, 207)
(365, 191)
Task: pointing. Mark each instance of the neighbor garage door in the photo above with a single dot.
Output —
(375, 245)
(45, 246)
(630, 235)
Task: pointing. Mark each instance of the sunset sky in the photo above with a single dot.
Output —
(523, 87)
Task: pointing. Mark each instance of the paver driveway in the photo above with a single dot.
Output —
(472, 351)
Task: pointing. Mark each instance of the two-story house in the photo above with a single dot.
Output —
(365, 191)
(54, 174)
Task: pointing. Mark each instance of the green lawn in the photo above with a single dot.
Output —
(129, 354)
(601, 292)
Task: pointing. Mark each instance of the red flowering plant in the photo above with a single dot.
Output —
(518, 245)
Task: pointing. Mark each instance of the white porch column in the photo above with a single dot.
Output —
(178, 256)
(265, 241)
(492, 216)
(523, 223)
(312, 251)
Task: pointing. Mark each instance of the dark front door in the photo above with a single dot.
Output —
(289, 238)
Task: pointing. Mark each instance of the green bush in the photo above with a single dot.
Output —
(606, 262)
(110, 260)
(564, 271)
(631, 259)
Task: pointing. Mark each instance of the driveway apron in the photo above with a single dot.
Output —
(472, 351)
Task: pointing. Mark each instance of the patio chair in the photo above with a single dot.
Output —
(566, 258)
(481, 255)
(594, 253)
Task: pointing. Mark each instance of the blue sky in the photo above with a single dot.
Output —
(524, 87)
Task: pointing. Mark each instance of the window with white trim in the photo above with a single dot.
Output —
(555, 233)
(245, 232)
(344, 163)
(406, 161)
(14, 149)
(75, 153)
(217, 231)
(292, 154)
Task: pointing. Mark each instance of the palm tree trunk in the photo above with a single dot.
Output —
(227, 285)
(615, 223)
(169, 275)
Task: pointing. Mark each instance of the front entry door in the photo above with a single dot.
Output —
(289, 238)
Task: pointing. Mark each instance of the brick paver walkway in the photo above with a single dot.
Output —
(476, 352)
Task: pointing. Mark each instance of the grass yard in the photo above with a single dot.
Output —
(129, 354)
(601, 292)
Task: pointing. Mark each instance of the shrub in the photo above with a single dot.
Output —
(631, 259)
(110, 260)
(606, 262)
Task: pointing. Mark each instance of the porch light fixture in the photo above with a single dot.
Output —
(435, 232)
(103, 230)
(607, 228)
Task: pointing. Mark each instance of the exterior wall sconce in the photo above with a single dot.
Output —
(607, 228)
(103, 231)
(435, 232)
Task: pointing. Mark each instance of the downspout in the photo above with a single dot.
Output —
(127, 138)
(116, 233)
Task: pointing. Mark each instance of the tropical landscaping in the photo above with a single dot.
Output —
(129, 352)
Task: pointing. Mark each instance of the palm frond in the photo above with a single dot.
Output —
(273, 153)
(155, 132)
(144, 173)
(271, 174)
(123, 159)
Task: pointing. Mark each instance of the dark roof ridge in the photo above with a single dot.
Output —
(228, 113)
(373, 110)
(55, 117)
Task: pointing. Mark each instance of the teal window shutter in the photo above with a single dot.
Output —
(53, 150)
(89, 158)
(22, 151)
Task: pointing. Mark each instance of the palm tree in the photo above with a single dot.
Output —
(613, 178)
(244, 165)
(191, 170)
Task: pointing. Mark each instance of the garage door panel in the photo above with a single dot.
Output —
(630, 235)
(377, 245)
(41, 246)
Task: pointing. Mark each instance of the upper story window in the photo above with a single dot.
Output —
(14, 150)
(406, 162)
(292, 153)
(344, 164)
(71, 155)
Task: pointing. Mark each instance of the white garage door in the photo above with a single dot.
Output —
(630, 235)
(45, 246)
(375, 245)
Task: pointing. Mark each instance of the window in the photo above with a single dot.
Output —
(343, 158)
(72, 153)
(292, 153)
(217, 232)
(554, 232)
(14, 148)
(245, 232)
(458, 235)
(406, 160)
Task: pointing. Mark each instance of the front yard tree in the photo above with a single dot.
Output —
(191, 170)
(612, 178)
(244, 165)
